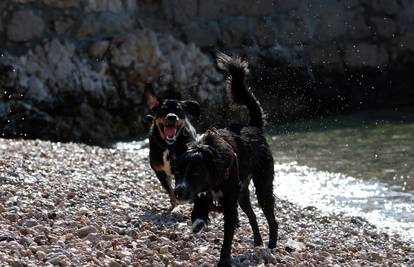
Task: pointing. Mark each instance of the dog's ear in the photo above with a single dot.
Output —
(149, 118)
(191, 107)
(152, 100)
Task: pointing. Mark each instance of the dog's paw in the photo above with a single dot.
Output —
(198, 225)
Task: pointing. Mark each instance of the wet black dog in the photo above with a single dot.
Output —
(222, 163)
(170, 133)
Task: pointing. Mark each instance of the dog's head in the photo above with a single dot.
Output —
(195, 172)
(202, 168)
(169, 115)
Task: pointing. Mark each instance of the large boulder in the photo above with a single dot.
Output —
(24, 26)
(56, 92)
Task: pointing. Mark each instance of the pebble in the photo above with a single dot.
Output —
(26, 241)
(51, 215)
(58, 259)
(164, 250)
(40, 255)
(133, 226)
(292, 245)
(30, 223)
(83, 211)
(114, 264)
(93, 237)
(184, 255)
(86, 230)
(12, 217)
(17, 263)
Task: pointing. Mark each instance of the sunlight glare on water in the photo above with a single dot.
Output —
(334, 192)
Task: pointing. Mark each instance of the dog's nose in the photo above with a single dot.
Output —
(179, 191)
(172, 117)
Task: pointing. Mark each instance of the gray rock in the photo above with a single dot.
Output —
(250, 7)
(385, 27)
(114, 6)
(292, 245)
(17, 263)
(37, 91)
(63, 25)
(24, 26)
(325, 55)
(182, 11)
(40, 239)
(29, 223)
(385, 6)
(332, 23)
(407, 42)
(203, 34)
(40, 255)
(365, 55)
(93, 237)
(357, 27)
(58, 259)
(266, 33)
(114, 264)
(62, 4)
(236, 32)
(283, 5)
(86, 230)
(98, 49)
(292, 33)
(212, 9)
(184, 255)
(11, 216)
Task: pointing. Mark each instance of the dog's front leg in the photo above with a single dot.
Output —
(229, 204)
(199, 214)
(166, 184)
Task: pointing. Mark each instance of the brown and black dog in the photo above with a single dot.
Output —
(219, 167)
(170, 133)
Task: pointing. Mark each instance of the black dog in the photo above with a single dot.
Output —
(220, 166)
(170, 133)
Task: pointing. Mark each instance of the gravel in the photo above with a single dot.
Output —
(73, 204)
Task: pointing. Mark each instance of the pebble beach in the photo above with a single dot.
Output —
(70, 204)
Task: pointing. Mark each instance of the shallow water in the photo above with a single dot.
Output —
(360, 164)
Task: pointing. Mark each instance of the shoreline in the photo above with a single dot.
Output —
(74, 204)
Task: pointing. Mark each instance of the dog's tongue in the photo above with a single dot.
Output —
(170, 131)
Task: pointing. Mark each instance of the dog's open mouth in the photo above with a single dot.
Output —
(170, 131)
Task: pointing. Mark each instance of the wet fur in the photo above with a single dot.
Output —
(162, 154)
(227, 175)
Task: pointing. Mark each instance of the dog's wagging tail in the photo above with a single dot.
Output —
(240, 93)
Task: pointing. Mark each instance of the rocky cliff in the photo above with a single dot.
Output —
(75, 69)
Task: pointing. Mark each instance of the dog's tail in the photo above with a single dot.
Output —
(237, 70)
